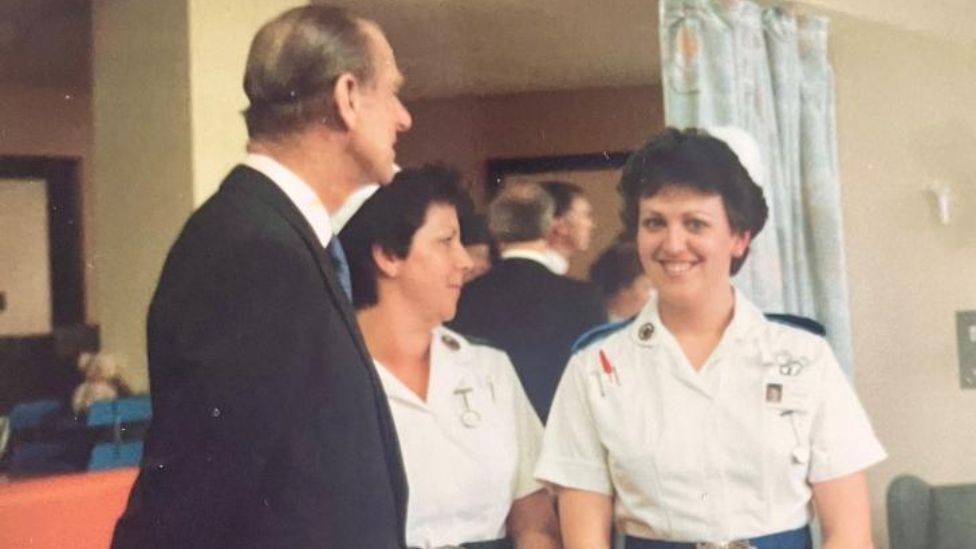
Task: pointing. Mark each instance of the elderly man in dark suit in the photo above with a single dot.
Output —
(521, 305)
(270, 427)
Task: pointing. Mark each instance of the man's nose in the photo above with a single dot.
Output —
(404, 120)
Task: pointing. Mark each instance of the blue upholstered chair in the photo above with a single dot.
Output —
(125, 419)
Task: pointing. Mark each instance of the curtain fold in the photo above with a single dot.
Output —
(765, 70)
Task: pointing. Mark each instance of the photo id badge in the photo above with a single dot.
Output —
(785, 393)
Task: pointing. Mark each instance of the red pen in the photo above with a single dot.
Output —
(607, 367)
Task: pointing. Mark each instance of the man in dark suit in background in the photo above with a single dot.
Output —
(520, 305)
(270, 427)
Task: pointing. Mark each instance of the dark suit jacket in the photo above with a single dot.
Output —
(270, 428)
(533, 315)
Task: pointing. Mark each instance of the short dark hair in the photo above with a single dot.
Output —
(695, 160)
(521, 212)
(294, 62)
(390, 218)
(616, 268)
(563, 193)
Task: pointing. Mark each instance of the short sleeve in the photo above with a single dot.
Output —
(842, 440)
(529, 434)
(573, 455)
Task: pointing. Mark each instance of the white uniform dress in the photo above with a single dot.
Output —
(725, 453)
(470, 449)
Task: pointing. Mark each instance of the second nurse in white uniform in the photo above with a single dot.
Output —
(701, 423)
(468, 434)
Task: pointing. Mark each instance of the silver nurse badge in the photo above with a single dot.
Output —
(470, 418)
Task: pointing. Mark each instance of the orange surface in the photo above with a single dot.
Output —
(76, 511)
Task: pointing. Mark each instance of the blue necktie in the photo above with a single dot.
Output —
(341, 265)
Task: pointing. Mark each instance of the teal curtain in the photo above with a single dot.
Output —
(765, 70)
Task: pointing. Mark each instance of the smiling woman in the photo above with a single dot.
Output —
(680, 424)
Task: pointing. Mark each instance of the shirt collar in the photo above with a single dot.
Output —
(449, 356)
(645, 330)
(298, 191)
(544, 258)
(557, 262)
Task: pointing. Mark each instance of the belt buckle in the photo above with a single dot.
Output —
(737, 544)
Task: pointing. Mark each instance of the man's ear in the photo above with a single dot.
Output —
(346, 97)
(386, 263)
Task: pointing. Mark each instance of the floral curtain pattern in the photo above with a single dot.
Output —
(765, 70)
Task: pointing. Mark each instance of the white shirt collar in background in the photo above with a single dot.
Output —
(557, 262)
(298, 191)
(544, 258)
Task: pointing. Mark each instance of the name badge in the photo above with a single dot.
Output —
(784, 387)
(784, 393)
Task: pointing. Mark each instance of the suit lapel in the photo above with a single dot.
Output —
(257, 183)
(265, 189)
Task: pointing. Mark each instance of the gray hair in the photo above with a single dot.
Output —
(294, 63)
(521, 212)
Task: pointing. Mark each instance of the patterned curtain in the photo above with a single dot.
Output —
(733, 63)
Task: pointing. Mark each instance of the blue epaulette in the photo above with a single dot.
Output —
(600, 332)
(801, 322)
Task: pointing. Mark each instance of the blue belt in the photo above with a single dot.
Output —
(792, 539)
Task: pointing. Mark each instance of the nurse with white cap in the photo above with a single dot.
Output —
(701, 423)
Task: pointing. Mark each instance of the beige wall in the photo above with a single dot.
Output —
(142, 161)
(55, 121)
(468, 131)
(907, 117)
(167, 126)
(220, 36)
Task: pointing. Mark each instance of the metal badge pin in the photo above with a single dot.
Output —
(645, 332)
(469, 418)
(789, 366)
(450, 342)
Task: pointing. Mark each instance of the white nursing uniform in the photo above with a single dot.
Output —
(727, 452)
(470, 449)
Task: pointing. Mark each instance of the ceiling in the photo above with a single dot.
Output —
(462, 47)
(482, 47)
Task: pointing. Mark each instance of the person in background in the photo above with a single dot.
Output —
(475, 237)
(270, 427)
(469, 435)
(621, 279)
(572, 226)
(520, 305)
(702, 423)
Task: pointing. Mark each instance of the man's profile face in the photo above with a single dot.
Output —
(579, 222)
(383, 115)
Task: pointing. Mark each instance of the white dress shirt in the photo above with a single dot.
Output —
(727, 452)
(548, 258)
(298, 191)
